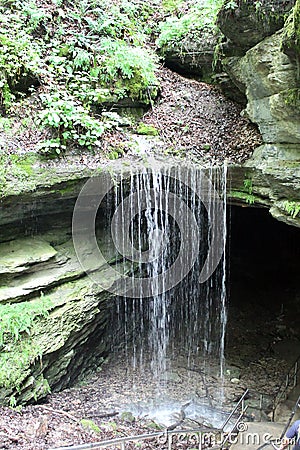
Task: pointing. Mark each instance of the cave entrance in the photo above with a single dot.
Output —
(263, 329)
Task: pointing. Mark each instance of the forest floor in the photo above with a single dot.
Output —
(194, 120)
(198, 121)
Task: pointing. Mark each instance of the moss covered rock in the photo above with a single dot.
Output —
(291, 36)
(67, 330)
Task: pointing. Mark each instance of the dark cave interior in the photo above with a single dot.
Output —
(263, 281)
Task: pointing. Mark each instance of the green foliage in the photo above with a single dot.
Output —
(248, 185)
(19, 55)
(15, 168)
(200, 19)
(172, 6)
(292, 98)
(15, 361)
(35, 16)
(292, 208)
(12, 401)
(88, 55)
(5, 124)
(126, 67)
(291, 35)
(70, 121)
(18, 318)
(246, 192)
(248, 198)
(231, 4)
(18, 350)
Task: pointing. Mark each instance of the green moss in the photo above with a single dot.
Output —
(68, 187)
(127, 416)
(24, 162)
(136, 88)
(16, 169)
(16, 363)
(291, 35)
(292, 98)
(18, 350)
(146, 129)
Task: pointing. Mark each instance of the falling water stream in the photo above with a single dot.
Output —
(171, 228)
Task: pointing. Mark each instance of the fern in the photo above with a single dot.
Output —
(17, 318)
(292, 208)
(82, 59)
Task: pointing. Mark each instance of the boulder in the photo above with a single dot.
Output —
(273, 172)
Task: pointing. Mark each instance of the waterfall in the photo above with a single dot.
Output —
(169, 224)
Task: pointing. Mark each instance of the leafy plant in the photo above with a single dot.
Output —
(244, 196)
(15, 168)
(19, 55)
(122, 66)
(202, 17)
(12, 401)
(292, 208)
(17, 318)
(231, 4)
(90, 424)
(248, 185)
(15, 361)
(70, 121)
(246, 192)
(35, 15)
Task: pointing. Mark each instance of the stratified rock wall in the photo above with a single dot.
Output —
(39, 269)
(269, 77)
